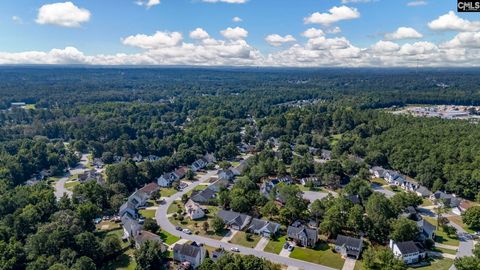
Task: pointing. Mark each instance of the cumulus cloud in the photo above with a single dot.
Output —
(417, 3)
(226, 1)
(155, 41)
(148, 3)
(277, 40)
(451, 22)
(335, 14)
(313, 33)
(404, 33)
(199, 33)
(234, 33)
(385, 47)
(334, 30)
(463, 40)
(237, 19)
(62, 14)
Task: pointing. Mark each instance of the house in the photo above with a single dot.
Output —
(287, 180)
(427, 229)
(150, 189)
(204, 196)
(180, 172)
(409, 251)
(88, 175)
(226, 175)
(191, 253)
(193, 210)
(219, 184)
(410, 213)
(138, 198)
(199, 164)
(394, 178)
(314, 180)
(409, 186)
(326, 154)
(217, 254)
(152, 158)
(131, 227)
(348, 246)
(137, 158)
(355, 199)
(167, 179)
(449, 200)
(302, 235)
(264, 228)
(268, 186)
(423, 192)
(462, 207)
(234, 220)
(128, 208)
(377, 172)
(144, 236)
(240, 168)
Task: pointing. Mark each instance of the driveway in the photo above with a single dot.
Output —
(314, 195)
(262, 244)
(380, 189)
(349, 264)
(165, 224)
(60, 189)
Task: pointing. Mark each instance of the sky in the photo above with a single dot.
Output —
(278, 33)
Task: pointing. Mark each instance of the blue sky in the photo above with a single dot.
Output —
(27, 28)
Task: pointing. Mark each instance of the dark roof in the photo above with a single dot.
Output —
(130, 224)
(427, 226)
(189, 250)
(407, 247)
(230, 217)
(145, 236)
(127, 205)
(258, 224)
(353, 198)
(348, 241)
(204, 195)
(297, 232)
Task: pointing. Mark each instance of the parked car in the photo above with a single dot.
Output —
(286, 245)
(187, 231)
(235, 249)
(290, 248)
(178, 228)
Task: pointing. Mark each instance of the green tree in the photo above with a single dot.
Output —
(217, 224)
(149, 256)
(404, 229)
(471, 217)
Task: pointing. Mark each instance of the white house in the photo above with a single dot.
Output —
(190, 253)
(409, 251)
(194, 211)
(131, 228)
(138, 198)
(167, 179)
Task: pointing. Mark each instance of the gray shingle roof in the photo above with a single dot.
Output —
(233, 218)
(189, 250)
(348, 241)
(407, 247)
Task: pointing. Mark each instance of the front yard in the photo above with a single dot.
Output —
(436, 264)
(167, 192)
(168, 238)
(321, 254)
(147, 213)
(196, 226)
(240, 238)
(275, 245)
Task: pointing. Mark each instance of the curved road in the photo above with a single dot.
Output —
(164, 223)
(60, 189)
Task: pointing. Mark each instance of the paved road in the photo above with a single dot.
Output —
(60, 189)
(165, 224)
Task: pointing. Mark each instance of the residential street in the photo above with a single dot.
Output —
(165, 224)
(60, 184)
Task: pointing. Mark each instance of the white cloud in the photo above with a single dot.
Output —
(313, 33)
(237, 19)
(451, 22)
(334, 15)
(63, 14)
(418, 48)
(226, 1)
(334, 30)
(417, 3)
(404, 33)
(385, 47)
(148, 3)
(463, 40)
(355, 1)
(17, 20)
(199, 33)
(277, 40)
(158, 40)
(234, 33)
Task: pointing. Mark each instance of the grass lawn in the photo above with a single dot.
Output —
(437, 264)
(147, 213)
(426, 202)
(240, 239)
(321, 254)
(335, 138)
(196, 226)
(442, 237)
(168, 238)
(173, 208)
(393, 188)
(444, 250)
(358, 265)
(71, 184)
(379, 181)
(107, 226)
(275, 245)
(197, 188)
(123, 262)
(167, 192)
(458, 220)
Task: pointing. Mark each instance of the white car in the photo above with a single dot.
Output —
(235, 249)
(187, 231)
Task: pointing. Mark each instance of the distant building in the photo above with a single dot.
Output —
(349, 246)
